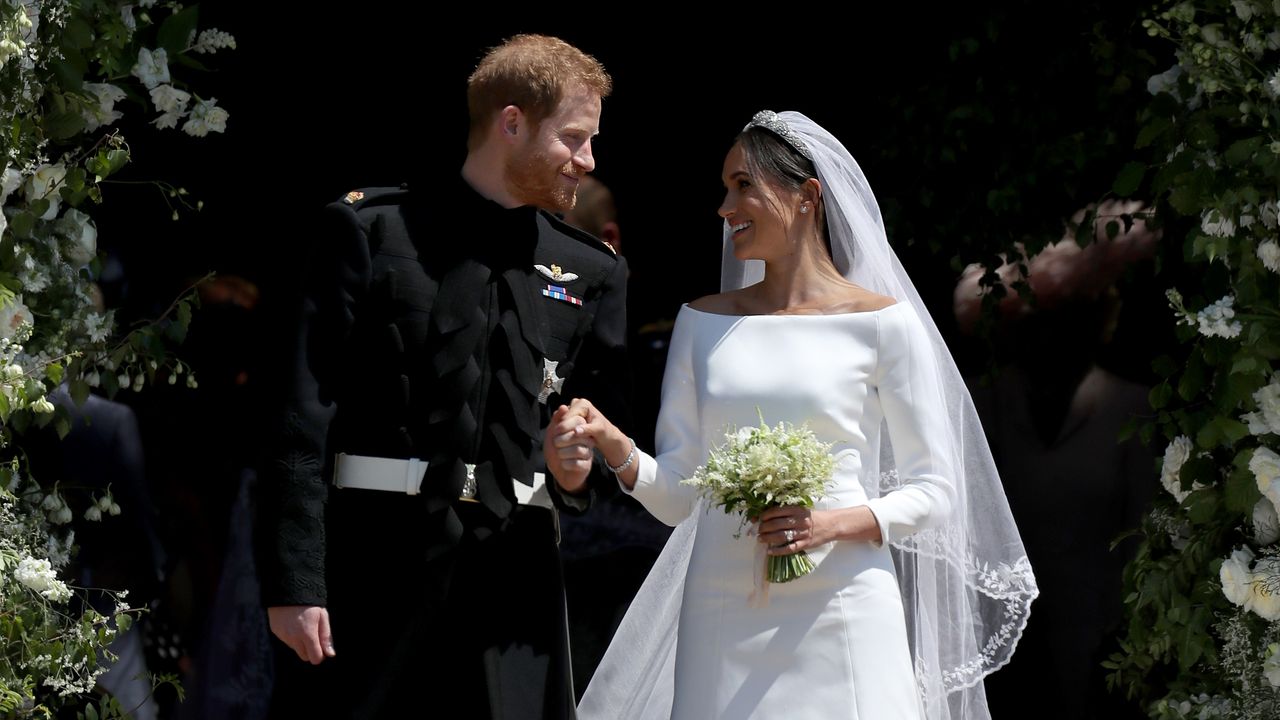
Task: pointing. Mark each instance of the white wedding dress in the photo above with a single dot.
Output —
(832, 644)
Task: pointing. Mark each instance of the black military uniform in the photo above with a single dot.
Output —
(436, 325)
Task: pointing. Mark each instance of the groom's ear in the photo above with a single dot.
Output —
(512, 122)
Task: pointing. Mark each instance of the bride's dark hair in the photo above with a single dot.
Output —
(769, 156)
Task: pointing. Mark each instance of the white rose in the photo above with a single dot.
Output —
(1264, 591)
(1271, 666)
(1175, 456)
(105, 113)
(1266, 524)
(83, 234)
(1267, 418)
(170, 100)
(1236, 576)
(42, 406)
(152, 67)
(45, 184)
(13, 316)
(1265, 466)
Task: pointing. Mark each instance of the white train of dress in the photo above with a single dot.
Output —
(832, 644)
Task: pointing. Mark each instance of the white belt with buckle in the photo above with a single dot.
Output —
(400, 475)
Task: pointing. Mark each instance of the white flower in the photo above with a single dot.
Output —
(42, 405)
(1265, 466)
(9, 47)
(1271, 666)
(105, 113)
(1264, 591)
(104, 503)
(1165, 81)
(98, 327)
(4, 223)
(123, 380)
(1269, 254)
(61, 516)
(38, 575)
(1273, 40)
(1266, 524)
(138, 381)
(10, 180)
(152, 67)
(126, 16)
(1236, 576)
(1215, 320)
(170, 100)
(1212, 34)
(205, 118)
(44, 184)
(83, 235)
(213, 39)
(167, 121)
(1267, 418)
(1243, 8)
(146, 3)
(93, 378)
(1274, 84)
(13, 316)
(1174, 457)
(1213, 223)
(1254, 44)
(114, 509)
(93, 514)
(1268, 213)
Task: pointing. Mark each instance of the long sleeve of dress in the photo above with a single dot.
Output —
(679, 441)
(907, 380)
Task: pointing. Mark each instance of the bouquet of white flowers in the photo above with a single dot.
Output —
(762, 467)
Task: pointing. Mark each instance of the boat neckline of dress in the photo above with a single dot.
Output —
(793, 315)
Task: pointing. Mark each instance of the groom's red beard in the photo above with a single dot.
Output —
(533, 180)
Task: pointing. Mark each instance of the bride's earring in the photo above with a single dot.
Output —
(804, 208)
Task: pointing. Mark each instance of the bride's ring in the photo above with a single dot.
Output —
(789, 535)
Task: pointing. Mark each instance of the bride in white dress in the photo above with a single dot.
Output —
(922, 586)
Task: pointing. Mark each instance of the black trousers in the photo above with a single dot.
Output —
(480, 632)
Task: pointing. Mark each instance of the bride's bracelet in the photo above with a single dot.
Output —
(631, 456)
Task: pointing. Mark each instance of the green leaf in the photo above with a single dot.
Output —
(90, 713)
(190, 62)
(116, 159)
(1242, 150)
(1246, 364)
(1193, 377)
(1185, 200)
(1129, 179)
(62, 126)
(54, 371)
(1164, 366)
(177, 29)
(22, 224)
(63, 426)
(76, 33)
(1242, 491)
(124, 621)
(1160, 395)
(1151, 131)
(79, 391)
(1202, 506)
